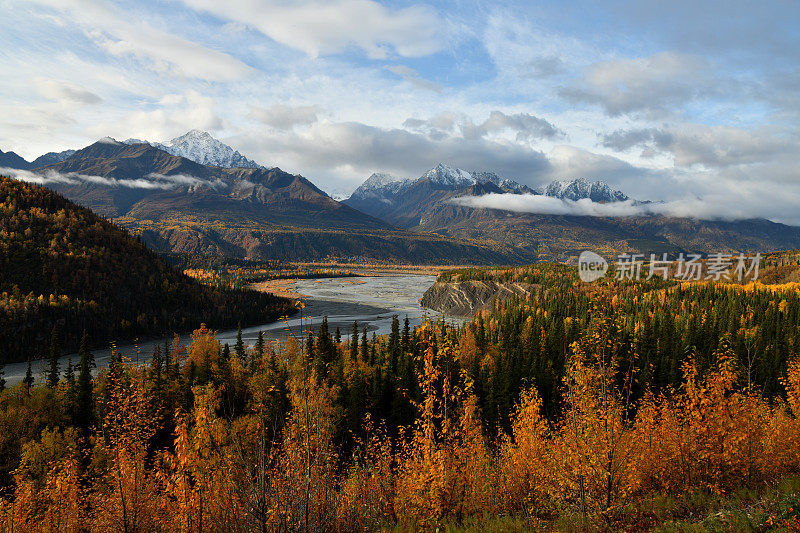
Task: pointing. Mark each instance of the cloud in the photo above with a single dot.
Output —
(175, 115)
(413, 77)
(688, 207)
(318, 27)
(150, 182)
(63, 91)
(346, 152)
(622, 140)
(122, 34)
(525, 126)
(570, 162)
(654, 84)
(284, 117)
(709, 146)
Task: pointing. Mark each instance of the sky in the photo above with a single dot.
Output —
(695, 103)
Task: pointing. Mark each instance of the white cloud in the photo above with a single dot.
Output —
(284, 117)
(318, 27)
(654, 84)
(344, 153)
(413, 77)
(719, 207)
(151, 181)
(63, 91)
(175, 116)
(121, 34)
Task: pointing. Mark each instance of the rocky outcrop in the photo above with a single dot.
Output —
(463, 298)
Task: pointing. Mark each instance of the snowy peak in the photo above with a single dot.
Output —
(385, 186)
(379, 185)
(201, 147)
(449, 177)
(579, 189)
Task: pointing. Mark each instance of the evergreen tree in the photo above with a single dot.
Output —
(406, 339)
(238, 348)
(394, 346)
(28, 379)
(84, 409)
(157, 368)
(364, 345)
(259, 349)
(55, 353)
(69, 374)
(354, 342)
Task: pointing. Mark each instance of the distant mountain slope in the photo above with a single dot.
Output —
(201, 147)
(426, 204)
(63, 265)
(180, 205)
(51, 158)
(12, 160)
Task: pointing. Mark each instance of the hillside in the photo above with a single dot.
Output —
(65, 266)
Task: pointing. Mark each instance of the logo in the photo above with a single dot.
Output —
(591, 266)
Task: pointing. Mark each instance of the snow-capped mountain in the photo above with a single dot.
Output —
(201, 147)
(454, 178)
(384, 186)
(379, 185)
(578, 189)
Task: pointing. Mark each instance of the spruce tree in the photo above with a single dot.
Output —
(394, 345)
(406, 339)
(238, 348)
(28, 379)
(84, 409)
(259, 349)
(364, 345)
(354, 342)
(55, 353)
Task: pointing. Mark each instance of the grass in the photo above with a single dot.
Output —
(749, 510)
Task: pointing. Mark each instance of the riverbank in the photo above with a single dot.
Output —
(370, 300)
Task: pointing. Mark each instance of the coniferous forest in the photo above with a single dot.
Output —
(617, 405)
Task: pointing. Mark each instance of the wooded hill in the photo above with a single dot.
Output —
(64, 266)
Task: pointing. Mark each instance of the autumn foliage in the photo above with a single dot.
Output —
(333, 434)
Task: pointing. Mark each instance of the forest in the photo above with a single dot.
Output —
(618, 405)
(65, 268)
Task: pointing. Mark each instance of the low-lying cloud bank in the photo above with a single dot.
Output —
(151, 181)
(691, 207)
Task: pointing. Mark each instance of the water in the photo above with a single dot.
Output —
(372, 301)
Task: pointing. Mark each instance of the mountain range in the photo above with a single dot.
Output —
(197, 195)
(427, 204)
(183, 206)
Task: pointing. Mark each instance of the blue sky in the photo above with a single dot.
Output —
(665, 100)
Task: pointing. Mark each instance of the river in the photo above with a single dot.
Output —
(371, 300)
